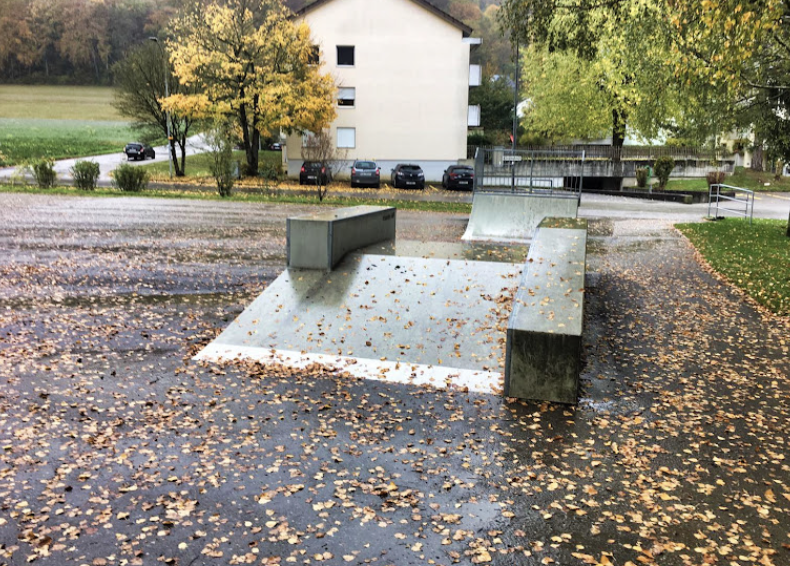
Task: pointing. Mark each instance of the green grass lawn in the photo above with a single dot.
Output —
(197, 166)
(688, 185)
(24, 139)
(59, 122)
(754, 257)
(743, 177)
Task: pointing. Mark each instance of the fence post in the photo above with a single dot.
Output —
(479, 165)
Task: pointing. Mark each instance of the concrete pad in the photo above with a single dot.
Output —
(544, 337)
(514, 217)
(408, 320)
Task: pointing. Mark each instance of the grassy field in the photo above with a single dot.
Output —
(58, 103)
(754, 257)
(59, 122)
(744, 178)
(197, 166)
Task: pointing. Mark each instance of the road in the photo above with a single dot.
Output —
(108, 163)
(766, 205)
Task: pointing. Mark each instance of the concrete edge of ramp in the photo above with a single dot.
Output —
(437, 377)
(514, 217)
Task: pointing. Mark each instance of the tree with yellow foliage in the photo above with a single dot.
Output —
(253, 65)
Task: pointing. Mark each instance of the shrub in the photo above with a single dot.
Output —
(270, 171)
(130, 178)
(246, 171)
(679, 142)
(85, 174)
(641, 177)
(476, 138)
(663, 168)
(714, 178)
(44, 173)
(223, 167)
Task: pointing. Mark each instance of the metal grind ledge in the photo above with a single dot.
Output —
(421, 321)
(320, 241)
(544, 336)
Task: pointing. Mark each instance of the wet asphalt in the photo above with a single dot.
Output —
(118, 449)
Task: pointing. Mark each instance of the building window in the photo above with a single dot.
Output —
(345, 55)
(473, 116)
(315, 55)
(307, 138)
(346, 96)
(346, 138)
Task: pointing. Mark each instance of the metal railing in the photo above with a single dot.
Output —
(534, 173)
(624, 153)
(742, 199)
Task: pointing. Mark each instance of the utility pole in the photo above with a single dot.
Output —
(515, 100)
(515, 122)
(167, 112)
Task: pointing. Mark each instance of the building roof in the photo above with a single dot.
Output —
(467, 31)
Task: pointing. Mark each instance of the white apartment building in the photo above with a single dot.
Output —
(403, 75)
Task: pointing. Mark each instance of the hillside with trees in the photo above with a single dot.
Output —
(74, 41)
(79, 41)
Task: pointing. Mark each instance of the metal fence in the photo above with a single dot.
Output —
(736, 200)
(624, 153)
(530, 172)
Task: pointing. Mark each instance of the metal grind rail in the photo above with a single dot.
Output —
(740, 202)
(554, 173)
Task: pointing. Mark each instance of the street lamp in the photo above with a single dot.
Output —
(167, 112)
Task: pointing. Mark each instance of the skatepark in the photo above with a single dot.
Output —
(356, 300)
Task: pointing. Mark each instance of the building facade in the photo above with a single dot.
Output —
(403, 75)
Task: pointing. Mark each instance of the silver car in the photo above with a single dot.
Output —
(365, 173)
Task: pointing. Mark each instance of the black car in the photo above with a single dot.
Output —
(275, 147)
(314, 173)
(137, 151)
(459, 177)
(408, 176)
(365, 173)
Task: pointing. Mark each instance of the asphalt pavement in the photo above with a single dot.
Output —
(117, 449)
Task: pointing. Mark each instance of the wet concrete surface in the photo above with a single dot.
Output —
(118, 449)
(385, 317)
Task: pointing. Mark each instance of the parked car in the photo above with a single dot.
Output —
(137, 150)
(275, 147)
(314, 173)
(365, 173)
(407, 175)
(459, 177)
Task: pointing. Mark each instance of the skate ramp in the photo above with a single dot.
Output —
(514, 217)
(421, 321)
